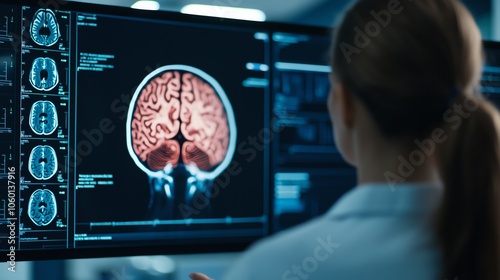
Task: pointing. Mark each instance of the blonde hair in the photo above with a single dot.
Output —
(412, 63)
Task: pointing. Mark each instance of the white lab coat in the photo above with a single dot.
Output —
(372, 233)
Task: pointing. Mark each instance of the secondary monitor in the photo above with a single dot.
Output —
(490, 81)
(309, 173)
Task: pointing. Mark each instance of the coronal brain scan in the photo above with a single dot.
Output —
(42, 163)
(42, 207)
(43, 117)
(181, 130)
(44, 28)
(43, 74)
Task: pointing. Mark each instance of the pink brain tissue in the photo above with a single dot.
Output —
(179, 118)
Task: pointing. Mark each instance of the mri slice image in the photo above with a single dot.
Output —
(43, 118)
(181, 132)
(44, 28)
(42, 207)
(42, 163)
(43, 74)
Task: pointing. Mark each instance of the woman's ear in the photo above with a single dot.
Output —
(346, 104)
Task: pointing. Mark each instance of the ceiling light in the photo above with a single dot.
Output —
(146, 5)
(224, 12)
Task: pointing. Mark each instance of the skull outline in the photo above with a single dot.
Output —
(162, 181)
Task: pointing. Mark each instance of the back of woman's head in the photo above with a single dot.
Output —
(415, 65)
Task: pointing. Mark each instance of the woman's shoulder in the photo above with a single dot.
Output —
(278, 256)
(325, 246)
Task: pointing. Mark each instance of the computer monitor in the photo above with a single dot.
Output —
(126, 132)
(309, 173)
(490, 81)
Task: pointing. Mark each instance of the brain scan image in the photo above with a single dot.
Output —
(43, 118)
(181, 131)
(42, 163)
(44, 28)
(42, 207)
(43, 74)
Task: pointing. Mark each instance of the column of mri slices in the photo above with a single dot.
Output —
(45, 100)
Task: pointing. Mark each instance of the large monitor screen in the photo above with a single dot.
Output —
(122, 129)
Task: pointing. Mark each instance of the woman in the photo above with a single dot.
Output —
(426, 148)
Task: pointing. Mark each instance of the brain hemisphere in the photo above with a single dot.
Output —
(179, 116)
(204, 124)
(156, 121)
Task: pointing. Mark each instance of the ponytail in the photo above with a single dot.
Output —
(469, 217)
